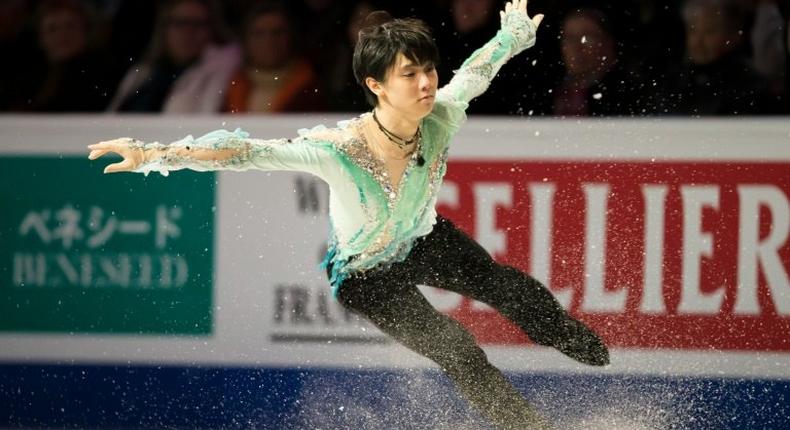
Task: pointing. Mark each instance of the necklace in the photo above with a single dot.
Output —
(394, 138)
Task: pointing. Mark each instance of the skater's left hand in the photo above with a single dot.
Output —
(516, 21)
(520, 7)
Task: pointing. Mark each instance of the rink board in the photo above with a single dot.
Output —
(196, 301)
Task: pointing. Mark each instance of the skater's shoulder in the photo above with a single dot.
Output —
(343, 134)
(346, 136)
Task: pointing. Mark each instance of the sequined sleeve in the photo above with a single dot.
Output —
(475, 74)
(226, 150)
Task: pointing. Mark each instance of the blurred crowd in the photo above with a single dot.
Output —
(593, 58)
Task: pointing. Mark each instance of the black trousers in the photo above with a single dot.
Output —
(447, 258)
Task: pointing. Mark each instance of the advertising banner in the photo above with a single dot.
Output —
(169, 296)
(118, 255)
(678, 255)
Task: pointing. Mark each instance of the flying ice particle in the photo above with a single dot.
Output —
(597, 96)
(584, 39)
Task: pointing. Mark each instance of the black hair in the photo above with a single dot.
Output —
(382, 39)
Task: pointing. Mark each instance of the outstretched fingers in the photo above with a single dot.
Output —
(96, 153)
(124, 166)
(520, 5)
(119, 146)
(114, 143)
(99, 149)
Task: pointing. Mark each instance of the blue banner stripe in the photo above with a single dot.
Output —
(104, 396)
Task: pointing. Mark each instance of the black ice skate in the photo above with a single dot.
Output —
(581, 344)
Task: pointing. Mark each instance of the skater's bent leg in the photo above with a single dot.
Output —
(528, 303)
(465, 267)
(403, 313)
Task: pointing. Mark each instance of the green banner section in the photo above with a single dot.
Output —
(87, 252)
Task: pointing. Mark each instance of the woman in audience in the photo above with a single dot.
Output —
(187, 66)
(275, 77)
(74, 77)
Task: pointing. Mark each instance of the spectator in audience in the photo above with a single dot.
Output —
(17, 41)
(131, 27)
(716, 77)
(595, 81)
(73, 75)
(187, 66)
(321, 22)
(340, 83)
(275, 77)
(768, 45)
(657, 39)
(784, 6)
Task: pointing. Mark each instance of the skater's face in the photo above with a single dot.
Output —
(408, 87)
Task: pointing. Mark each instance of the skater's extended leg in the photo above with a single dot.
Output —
(401, 311)
(459, 264)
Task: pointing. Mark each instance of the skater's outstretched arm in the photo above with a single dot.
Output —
(516, 34)
(218, 150)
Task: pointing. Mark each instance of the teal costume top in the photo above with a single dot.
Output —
(370, 220)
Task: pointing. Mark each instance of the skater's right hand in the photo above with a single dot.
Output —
(130, 149)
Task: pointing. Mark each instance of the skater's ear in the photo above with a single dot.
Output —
(373, 85)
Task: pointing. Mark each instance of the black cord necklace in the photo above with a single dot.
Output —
(394, 138)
